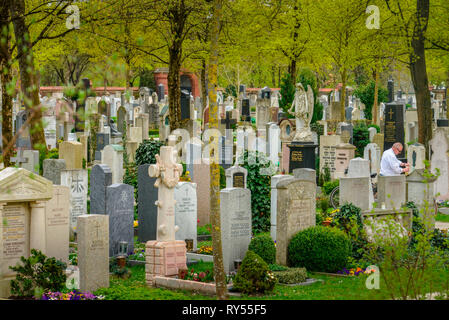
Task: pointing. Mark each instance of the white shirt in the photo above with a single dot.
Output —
(390, 165)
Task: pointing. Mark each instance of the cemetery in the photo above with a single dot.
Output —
(136, 178)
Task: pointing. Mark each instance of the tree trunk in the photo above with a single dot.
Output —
(292, 70)
(419, 77)
(174, 83)
(220, 276)
(376, 98)
(6, 77)
(28, 74)
(203, 86)
(343, 95)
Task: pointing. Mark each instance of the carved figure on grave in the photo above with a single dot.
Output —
(167, 172)
(303, 112)
(114, 132)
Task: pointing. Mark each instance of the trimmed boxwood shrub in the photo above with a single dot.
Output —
(263, 245)
(254, 276)
(291, 276)
(319, 249)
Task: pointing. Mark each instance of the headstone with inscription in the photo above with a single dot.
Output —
(120, 209)
(186, 211)
(236, 177)
(100, 179)
(112, 155)
(394, 126)
(295, 212)
(77, 181)
(146, 207)
(93, 251)
(391, 191)
(328, 152)
(235, 225)
(52, 170)
(440, 160)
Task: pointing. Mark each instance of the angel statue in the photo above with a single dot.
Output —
(303, 112)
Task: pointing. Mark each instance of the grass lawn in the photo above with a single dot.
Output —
(332, 288)
(442, 217)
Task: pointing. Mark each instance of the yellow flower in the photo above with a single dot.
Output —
(136, 223)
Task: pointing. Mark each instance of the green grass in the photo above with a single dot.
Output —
(442, 217)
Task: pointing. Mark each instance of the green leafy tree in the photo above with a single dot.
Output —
(287, 92)
(366, 94)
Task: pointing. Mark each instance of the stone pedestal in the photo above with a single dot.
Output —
(164, 258)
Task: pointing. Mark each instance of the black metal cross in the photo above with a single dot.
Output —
(228, 121)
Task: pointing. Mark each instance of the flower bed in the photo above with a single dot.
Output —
(72, 295)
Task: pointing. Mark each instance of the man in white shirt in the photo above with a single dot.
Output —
(390, 165)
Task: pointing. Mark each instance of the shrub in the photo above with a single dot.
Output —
(346, 214)
(147, 151)
(319, 249)
(277, 267)
(38, 274)
(263, 246)
(374, 126)
(360, 138)
(330, 185)
(254, 276)
(259, 169)
(291, 275)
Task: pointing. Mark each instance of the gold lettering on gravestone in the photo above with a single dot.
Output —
(390, 130)
(238, 181)
(297, 156)
(14, 231)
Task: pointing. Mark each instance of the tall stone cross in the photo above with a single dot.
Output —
(167, 172)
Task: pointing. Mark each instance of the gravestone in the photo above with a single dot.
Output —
(52, 170)
(391, 191)
(328, 153)
(50, 131)
(416, 154)
(274, 198)
(273, 143)
(77, 181)
(57, 224)
(360, 168)
(235, 225)
(72, 153)
(185, 105)
(372, 132)
(23, 213)
(246, 111)
(440, 160)
(420, 189)
(146, 207)
(142, 121)
(372, 153)
(121, 119)
(120, 209)
(305, 174)
(100, 179)
(295, 212)
(356, 191)
(379, 140)
(186, 211)
(236, 177)
(112, 155)
(193, 155)
(344, 152)
(102, 141)
(23, 139)
(93, 251)
(202, 179)
(394, 127)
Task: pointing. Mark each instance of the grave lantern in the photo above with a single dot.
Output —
(122, 248)
(266, 93)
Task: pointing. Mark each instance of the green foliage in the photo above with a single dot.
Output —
(147, 151)
(147, 79)
(366, 95)
(323, 204)
(260, 170)
(291, 275)
(277, 267)
(230, 90)
(329, 186)
(372, 125)
(287, 92)
(204, 230)
(222, 177)
(37, 274)
(360, 138)
(254, 276)
(319, 249)
(264, 246)
(346, 214)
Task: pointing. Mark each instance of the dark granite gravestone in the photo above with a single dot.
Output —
(121, 119)
(238, 180)
(160, 92)
(390, 87)
(348, 127)
(52, 170)
(23, 141)
(302, 155)
(266, 93)
(246, 111)
(242, 89)
(394, 126)
(120, 209)
(102, 141)
(100, 179)
(147, 195)
(442, 122)
(185, 105)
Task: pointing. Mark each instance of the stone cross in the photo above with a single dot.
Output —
(167, 172)
(19, 159)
